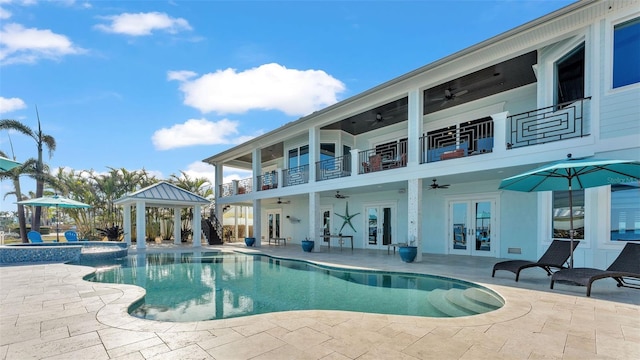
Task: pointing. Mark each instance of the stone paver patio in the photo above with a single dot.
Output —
(49, 312)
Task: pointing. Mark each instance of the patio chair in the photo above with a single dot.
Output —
(71, 235)
(626, 265)
(34, 236)
(375, 162)
(555, 257)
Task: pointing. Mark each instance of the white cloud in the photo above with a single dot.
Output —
(142, 24)
(11, 104)
(196, 132)
(4, 14)
(21, 45)
(267, 87)
(182, 75)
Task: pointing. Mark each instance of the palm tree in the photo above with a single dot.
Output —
(27, 167)
(42, 140)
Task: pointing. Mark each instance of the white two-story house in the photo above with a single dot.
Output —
(568, 82)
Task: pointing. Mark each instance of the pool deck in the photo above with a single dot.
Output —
(49, 312)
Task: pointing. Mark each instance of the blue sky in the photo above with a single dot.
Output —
(161, 85)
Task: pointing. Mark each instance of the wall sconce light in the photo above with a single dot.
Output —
(293, 219)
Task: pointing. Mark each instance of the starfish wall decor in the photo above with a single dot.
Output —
(347, 218)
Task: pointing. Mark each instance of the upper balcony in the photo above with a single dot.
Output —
(458, 140)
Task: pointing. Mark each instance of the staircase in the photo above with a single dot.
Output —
(458, 302)
(212, 230)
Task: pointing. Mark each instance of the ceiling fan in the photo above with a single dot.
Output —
(340, 196)
(449, 95)
(281, 202)
(435, 185)
(379, 119)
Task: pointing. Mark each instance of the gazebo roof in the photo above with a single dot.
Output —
(163, 194)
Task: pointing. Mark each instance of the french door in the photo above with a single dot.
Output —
(380, 225)
(471, 225)
(274, 223)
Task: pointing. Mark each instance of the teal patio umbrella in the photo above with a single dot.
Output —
(57, 201)
(7, 164)
(574, 174)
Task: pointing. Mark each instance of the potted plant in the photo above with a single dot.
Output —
(249, 241)
(408, 252)
(307, 245)
(112, 233)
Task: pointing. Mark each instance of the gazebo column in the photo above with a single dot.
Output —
(197, 225)
(127, 223)
(141, 230)
(177, 226)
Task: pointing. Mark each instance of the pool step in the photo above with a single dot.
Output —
(465, 299)
(483, 298)
(440, 300)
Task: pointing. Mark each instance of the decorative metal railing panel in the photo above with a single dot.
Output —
(548, 124)
(333, 168)
(268, 181)
(245, 186)
(295, 176)
(384, 157)
(455, 141)
(226, 190)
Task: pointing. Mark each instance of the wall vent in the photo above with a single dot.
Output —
(514, 251)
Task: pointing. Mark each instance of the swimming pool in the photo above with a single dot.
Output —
(198, 286)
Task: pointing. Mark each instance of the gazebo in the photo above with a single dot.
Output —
(161, 195)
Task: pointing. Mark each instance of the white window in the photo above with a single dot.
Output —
(626, 53)
(570, 76)
(625, 212)
(562, 214)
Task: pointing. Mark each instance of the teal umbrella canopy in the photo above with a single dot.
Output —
(58, 202)
(571, 174)
(579, 173)
(7, 164)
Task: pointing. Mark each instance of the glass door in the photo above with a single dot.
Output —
(380, 226)
(274, 221)
(470, 227)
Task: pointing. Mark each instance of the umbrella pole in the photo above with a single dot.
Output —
(57, 225)
(570, 224)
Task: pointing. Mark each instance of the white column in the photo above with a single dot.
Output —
(500, 137)
(197, 225)
(315, 220)
(141, 230)
(127, 223)
(314, 152)
(257, 222)
(414, 127)
(355, 162)
(414, 214)
(218, 184)
(177, 226)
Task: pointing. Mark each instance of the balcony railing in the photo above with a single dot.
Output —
(226, 190)
(333, 168)
(552, 123)
(245, 186)
(465, 139)
(385, 157)
(268, 181)
(295, 176)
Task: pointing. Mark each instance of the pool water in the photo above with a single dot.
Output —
(208, 285)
